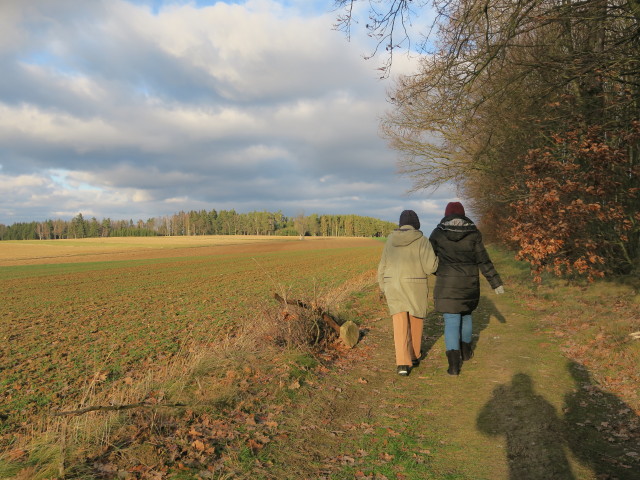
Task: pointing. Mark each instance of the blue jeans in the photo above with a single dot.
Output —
(457, 326)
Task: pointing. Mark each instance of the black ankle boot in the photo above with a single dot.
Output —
(466, 350)
(454, 362)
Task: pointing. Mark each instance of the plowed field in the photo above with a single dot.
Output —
(71, 310)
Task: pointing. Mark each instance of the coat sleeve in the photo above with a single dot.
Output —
(381, 267)
(433, 240)
(486, 265)
(428, 258)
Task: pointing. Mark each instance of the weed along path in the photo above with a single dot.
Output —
(520, 409)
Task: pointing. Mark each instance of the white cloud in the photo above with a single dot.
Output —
(141, 196)
(127, 112)
(77, 134)
(176, 200)
(430, 207)
(9, 185)
(11, 35)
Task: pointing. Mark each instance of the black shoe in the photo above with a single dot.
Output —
(467, 351)
(415, 363)
(455, 360)
(403, 370)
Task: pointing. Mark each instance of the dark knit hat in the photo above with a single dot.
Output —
(454, 208)
(409, 217)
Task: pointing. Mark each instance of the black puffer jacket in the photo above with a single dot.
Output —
(461, 254)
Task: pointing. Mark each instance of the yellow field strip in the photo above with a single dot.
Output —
(33, 252)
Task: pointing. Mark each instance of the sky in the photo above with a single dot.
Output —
(142, 108)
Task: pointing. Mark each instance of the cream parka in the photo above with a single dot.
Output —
(407, 260)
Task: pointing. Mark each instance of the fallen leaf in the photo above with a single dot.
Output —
(386, 457)
(16, 454)
(262, 439)
(106, 467)
(26, 473)
(254, 446)
(295, 385)
(198, 445)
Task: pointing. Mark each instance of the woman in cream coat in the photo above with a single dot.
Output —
(407, 260)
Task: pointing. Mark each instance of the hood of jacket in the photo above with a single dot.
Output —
(406, 235)
(456, 227)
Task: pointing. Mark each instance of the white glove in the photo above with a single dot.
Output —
(499, 290)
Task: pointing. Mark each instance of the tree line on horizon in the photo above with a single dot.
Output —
(202, 222)
(532, 109)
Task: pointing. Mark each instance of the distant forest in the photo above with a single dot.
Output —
(224, 222)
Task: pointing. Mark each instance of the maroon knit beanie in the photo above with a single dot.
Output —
(454, 208)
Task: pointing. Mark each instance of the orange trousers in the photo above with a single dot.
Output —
(407, 337)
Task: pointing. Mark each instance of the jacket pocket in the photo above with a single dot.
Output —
(415, 280)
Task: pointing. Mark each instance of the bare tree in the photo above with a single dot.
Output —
(300, 222)
(506, 78)
(387, 22)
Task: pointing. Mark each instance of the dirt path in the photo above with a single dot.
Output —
(509, 415)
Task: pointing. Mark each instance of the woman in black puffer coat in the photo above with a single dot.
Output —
(457, 243)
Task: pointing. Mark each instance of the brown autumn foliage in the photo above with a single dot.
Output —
(577, 208)
(541, 96)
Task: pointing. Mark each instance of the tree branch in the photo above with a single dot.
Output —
(104, 408)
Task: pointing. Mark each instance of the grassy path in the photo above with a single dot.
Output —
(519, 410)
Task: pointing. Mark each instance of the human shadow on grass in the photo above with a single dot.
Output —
(434, 323)
(484, 313)
(602, 431)
(532, 429)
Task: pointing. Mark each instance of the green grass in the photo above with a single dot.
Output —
(408, 453)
